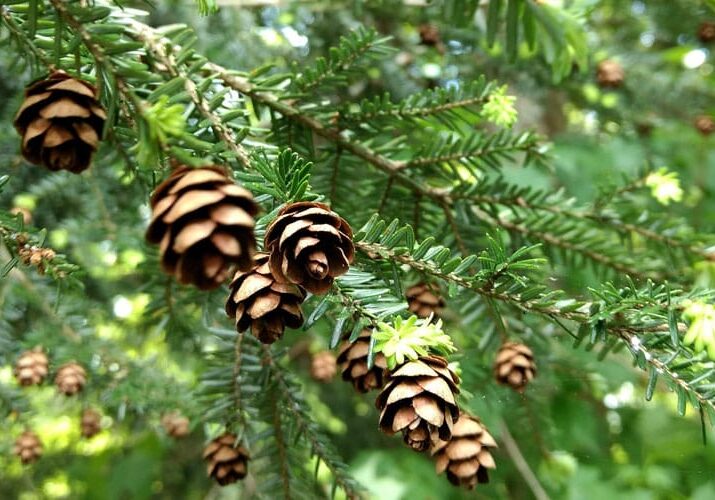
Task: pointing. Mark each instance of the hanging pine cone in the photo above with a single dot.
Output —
(514, 365)
(706, 31)
(31, 367)
(466, 457)
(227, 462)
(310, 245)
(705, 124)
(70, 378)
(60, 122)
(28, 447)
(418, 401)
(424, 300)
(259, 301)
(204, 224)
(610, 73)
(91, 423)
(353, 364)
(323, 367)
(175, 424)
(429, 35)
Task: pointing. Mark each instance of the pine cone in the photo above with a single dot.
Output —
(60, 122)
(267, 306)
(91, 423)
(204, 223)
(429, 35)
(353, 364)
(514, 365)
(70, 378)
(706, 31)
(310, 246)
(610, 74)
(418, 400)
(175, 424)
(227, 463)
(465, 457)
(323, 367)
(705, 124)
(31, 367)
(28, 447)
(424, 299)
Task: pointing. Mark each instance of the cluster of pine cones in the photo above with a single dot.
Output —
(32, 368)
(204, 224)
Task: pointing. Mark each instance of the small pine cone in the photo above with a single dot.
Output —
(705, 124)
(70, 378)
(28, 447)
(353, 364)
(466, 457)
(203, 223)
(418, 401)
(175, 424)
(310, 245)
(31, 367)
(610, 73)
(91, 423)
(424, 300)
(267, 306)
(60, 122)
(227, 463)
(706, 31)
(429, 35)
(514, 365)
(323, 367)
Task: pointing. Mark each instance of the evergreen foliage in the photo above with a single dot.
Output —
(439, 186)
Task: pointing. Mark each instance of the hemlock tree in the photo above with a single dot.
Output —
(225, 242)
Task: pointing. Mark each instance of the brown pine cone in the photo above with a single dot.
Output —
(705, 124)
(91, 423)
(28, 447)
(424, 299)
(429, 35)
(353, 364)
(267, 306)
(466, 457)
(60, 122)
(70, 378)
(310, 245)
(514, 366)
(418, 401)
(706, 31)
(175, 424)
(323, 366)
(204, 223)
(610, 73)
(31, 367)
(227, 463)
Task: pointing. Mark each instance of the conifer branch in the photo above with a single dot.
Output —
(306, 427)
(162, 50)
(552, 239)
